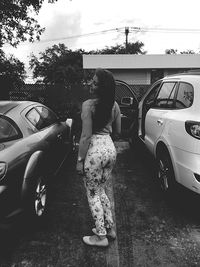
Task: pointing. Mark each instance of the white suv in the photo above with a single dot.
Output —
(169, 125)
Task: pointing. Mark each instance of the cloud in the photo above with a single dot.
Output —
(62, 27)
(59, 29)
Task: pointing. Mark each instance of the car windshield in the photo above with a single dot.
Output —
(7, 130)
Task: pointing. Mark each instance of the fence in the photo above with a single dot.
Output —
(63, 100)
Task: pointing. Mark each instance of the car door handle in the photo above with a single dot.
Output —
(160, 122)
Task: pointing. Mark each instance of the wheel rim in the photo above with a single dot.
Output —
(40, 198)
(163, 174)
(73, 143)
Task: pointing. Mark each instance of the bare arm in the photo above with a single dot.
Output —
(117, 123)
(86, 131)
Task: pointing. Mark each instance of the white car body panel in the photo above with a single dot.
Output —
(154, 125)
(167, 126)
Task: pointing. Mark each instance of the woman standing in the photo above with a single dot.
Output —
(101, 118)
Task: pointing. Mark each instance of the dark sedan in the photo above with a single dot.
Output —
(33, 145)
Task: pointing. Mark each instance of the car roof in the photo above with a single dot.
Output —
(6, 106)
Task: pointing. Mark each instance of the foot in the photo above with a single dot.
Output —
(110, 233)
(95, 240)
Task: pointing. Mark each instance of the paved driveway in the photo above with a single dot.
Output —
(151, 230)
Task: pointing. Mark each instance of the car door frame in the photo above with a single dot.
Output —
(129, 113)
(142, 111)
(157, 87)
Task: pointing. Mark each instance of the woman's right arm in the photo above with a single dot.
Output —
(117, 122)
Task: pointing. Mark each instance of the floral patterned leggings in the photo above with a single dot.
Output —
(99, 162)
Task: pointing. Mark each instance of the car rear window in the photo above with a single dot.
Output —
(48, 115)
(41, 117)
(8, 130)
(185, 95)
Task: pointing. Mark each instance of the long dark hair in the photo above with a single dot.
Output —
(106, 98)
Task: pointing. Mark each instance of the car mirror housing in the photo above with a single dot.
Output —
(69, 122)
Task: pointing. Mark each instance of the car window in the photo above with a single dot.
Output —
(185, 95)
(8, 131)
(153, 92)
(165, 98)
(49, 117)
(149, 100)
(35, 118)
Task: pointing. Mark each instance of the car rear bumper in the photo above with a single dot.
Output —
(187, 169)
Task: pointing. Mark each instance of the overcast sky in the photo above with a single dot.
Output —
(108, 19)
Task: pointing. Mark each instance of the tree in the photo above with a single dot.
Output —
(171, 51)
(175, 51)
(58, 64)
(17, 24)
(188, 51)
(12, 74)
(132, 48)
(12, 68)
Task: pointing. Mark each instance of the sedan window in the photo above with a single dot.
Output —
(41, 117)
(49, 117)
(8, 131)
(34, 117)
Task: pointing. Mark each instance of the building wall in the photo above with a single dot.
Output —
(133, 77)
(174, 71)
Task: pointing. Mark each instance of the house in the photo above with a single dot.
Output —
(140, 71)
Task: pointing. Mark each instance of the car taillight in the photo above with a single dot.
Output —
(193, 128)
(3, 169)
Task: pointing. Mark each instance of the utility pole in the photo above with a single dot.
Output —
(126, 33)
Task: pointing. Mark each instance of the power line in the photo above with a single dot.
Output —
(126, 30)
(74, 36)
(80, 35)
(166, 30)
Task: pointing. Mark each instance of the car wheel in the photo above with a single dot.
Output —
(73, 143)
(40, 198)
(35, 201)
(165, 172)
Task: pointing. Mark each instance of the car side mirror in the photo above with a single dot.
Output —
(127, 101)
(150, 103)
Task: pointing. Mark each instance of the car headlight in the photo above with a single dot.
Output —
(3, 169)
(193, 128)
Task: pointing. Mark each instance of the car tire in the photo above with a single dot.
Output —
(165, 172)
